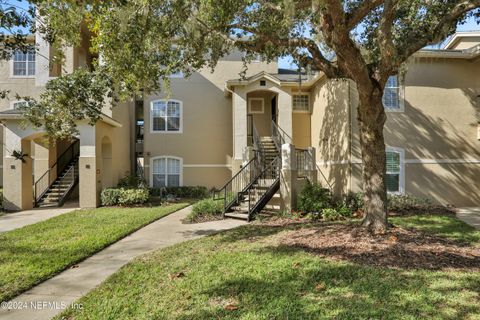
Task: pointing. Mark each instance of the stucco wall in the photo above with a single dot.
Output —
(437, 130)
(205, 145)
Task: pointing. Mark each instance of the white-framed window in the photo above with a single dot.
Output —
(301, 102)
(17, 104)
(166, 116)
(392, 95)
(256, 105)
(23, 63)
(395, 177)
(166, 171)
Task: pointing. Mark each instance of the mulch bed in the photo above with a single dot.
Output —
(399, 248)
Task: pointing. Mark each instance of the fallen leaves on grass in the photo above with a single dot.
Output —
(399, 248)
(176, 275)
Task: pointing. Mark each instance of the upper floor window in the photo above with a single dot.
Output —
(395, 170)
(391, 94)
(18, 104)
(24, 63)
(166, 172)
(301, 102)
(166, 116)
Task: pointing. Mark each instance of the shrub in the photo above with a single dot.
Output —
(109, 196)
(133, 196)
(314, 198)
(196, 192)
(353, 201)
(344, 211)
(131, 182)
(408, 202)
(206, 209)
(124, 197)
(330, 214)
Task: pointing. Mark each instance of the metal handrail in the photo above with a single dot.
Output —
(141, 173)
(269, 172)
(238, 184)
(71, 173)
(43, 183)
(279, 136)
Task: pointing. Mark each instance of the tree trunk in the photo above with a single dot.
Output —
(371, 117)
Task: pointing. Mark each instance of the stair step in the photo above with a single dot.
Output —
(237, 215)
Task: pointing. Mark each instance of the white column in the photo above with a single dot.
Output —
(240, 135)
(288, 178)
(285, 113)
(89, 176)
(17, 175)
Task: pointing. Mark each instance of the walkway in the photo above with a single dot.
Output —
(75, 282)
(15, 220)
(470, 216)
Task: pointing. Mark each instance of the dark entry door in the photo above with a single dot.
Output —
(274, 109)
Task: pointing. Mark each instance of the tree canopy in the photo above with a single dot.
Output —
(143, 41)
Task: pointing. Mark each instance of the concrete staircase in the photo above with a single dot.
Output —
(264, 192)
(61, 187)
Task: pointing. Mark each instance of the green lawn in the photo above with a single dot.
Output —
(444, 225)
(245, 274)
(34, 253)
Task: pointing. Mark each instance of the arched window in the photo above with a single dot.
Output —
(166, 116)
(166, 172)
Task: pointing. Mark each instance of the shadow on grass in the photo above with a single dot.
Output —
(296, 286)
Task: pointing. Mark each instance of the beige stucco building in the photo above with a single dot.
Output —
(207, 128)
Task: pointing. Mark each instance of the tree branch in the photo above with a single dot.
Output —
(354, 17)
(438, 32)
(388, 50)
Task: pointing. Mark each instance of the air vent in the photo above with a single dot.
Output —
(263, 83)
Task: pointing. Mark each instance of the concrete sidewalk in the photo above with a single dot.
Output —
(15, 220)
(470, 216)
(68, 286)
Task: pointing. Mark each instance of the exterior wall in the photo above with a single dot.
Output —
(437, 131)
(330, 132)
(466, 43)
(262, 121)
(205, 145)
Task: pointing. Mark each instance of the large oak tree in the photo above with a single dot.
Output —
(143, 41)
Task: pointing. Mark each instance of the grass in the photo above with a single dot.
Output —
(447, 226)
(245, 274)
(34, 253)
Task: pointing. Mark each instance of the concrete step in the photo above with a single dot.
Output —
(237, 215)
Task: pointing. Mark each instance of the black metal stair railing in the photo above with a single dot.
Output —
(266, 184)
(238, 184)
(43, 184)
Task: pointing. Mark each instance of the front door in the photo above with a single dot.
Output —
(274, 109)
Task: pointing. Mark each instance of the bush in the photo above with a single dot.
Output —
(133, 196)
(206, 209)
(330, 214)
(131, 182)
(124, 197)
(344, 211)
(195, 192)
(408, 202)
(109, 197)
(353, 201)
(314, 198)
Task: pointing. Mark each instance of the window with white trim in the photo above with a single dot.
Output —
(18, 104)
(395, 170)
(301, 102)
(166, 116)
(24, 63)
(391, 94)
(166, 172)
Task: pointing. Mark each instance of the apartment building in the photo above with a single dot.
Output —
(263, 134)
